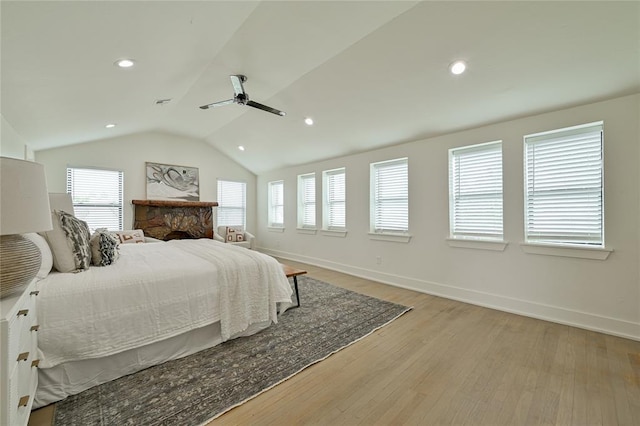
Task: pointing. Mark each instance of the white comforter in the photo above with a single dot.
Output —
(153, 292)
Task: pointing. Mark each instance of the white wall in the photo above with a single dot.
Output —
(594, 294)
(129, 154)
(11, 143)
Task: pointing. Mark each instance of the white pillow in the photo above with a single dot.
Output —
(235, 234)
(132, 236)
(45, 251)
(63, 259)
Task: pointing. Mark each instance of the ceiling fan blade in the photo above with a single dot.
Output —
(218, 104)
(266, 108)
(236, 81)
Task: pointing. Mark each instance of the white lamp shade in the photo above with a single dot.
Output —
(24, 202)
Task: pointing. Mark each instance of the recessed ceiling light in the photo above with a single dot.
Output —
(458, 67)
(124, 63)
(308, 121)
(110, 126)
(241, 148)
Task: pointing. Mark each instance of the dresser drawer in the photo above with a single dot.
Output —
(18, 357)
(21, 392)
(20, 334)
(22, 385)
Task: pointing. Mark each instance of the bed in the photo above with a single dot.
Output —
(159, 301)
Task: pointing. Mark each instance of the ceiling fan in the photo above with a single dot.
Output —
(242, 98)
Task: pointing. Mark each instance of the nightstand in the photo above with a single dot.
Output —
(18, 356)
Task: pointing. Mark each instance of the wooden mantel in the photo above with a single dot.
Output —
(174, 203)
(174, 219)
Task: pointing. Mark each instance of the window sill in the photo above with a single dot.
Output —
(395, 238)
(334, 233)
(596, 253)
(495, 245)
(309, 231)
(275, 228)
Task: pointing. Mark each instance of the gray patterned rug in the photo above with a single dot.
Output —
(202, 386)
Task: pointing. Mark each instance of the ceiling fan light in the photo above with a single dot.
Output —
(458, 67)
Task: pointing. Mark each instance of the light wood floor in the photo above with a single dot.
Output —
(447, 362)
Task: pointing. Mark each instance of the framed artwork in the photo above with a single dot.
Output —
(169, 182)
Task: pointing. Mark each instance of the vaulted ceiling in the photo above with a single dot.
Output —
(370, 73)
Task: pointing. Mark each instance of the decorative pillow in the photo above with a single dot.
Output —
(45, 252)
(130, 237)
(104, 247)
(63, 259)
(235, 234)
(78, 236)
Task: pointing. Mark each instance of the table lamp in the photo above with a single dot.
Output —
(24, 207)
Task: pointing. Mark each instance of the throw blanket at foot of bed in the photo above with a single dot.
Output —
(250, 283)
(153, 292)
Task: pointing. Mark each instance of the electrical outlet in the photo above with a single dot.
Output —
(378, 260)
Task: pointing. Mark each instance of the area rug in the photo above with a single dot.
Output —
(198, 388)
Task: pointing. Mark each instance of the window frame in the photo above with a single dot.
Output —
(77, 206)
(305, 204)
(387, 233)
(221, 204)
(328, 223)
(471, 201)
(555, 138)
(271, 223)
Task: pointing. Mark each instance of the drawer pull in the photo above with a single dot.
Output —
(34, 293)
(23, 401)
(23, 356)
(23, 312)
(35, 363)
(35, 327)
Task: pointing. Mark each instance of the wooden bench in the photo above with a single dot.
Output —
(290, 271)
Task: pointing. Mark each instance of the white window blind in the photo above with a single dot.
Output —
(232, 203)
(563, 186)
(334, 199)
(276, 204)
(96, 196)
(390, 196)
(475, 191)
(307, 200)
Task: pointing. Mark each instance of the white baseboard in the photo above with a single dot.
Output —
(585, 320)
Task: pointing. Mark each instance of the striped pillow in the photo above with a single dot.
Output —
(77, 232)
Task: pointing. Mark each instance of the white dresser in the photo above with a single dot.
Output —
(18, 356)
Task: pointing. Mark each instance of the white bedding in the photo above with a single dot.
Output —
(153, 292)
(250, 284)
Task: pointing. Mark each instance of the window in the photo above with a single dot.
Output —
(232, 203)
(307, 201)
(563, 186)
(475, 191)
(96, 196)
(390, 196)
(276, 204)
(334, 200)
